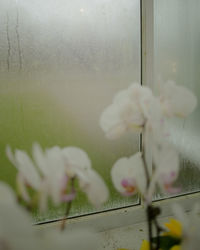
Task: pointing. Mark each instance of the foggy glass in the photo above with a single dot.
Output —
(61, 62)
(177, 57)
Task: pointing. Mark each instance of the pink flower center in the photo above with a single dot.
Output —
(129, 186)
(168, 181)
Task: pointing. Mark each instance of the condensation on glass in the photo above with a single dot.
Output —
(61, 62)
(177, 57)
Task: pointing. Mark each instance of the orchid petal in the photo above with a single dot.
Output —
(11, 156)
(39, 158)
(95, 188)
(43, 198)
(16, 231)
(27, 169)
(132, 170)
(22, 188)
(127, 112)
(56, 172)
(191, 227)
(68, 197)
(76, 157)
(6, 194)
(111, 123)
(177, 100)
(167, 165)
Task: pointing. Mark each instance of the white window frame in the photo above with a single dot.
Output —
(122, 217)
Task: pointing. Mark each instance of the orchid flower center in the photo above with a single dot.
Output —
(66, 197)
(129, 186)
(64, 182)
(168, 180)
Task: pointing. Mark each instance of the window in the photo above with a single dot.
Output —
(62, 62)
(177, 58)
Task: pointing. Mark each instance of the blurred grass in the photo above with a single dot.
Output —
(29, 115)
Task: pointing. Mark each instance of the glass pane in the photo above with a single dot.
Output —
(177, 57)
(61, 63)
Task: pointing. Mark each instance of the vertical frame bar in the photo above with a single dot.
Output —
(147, 42)
(147, 45)
(147, 50)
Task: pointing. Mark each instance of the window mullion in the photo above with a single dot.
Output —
(147, 50)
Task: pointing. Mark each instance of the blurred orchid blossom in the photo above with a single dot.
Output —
(76, 161)
(128, 175)
(126, 112)
(136, 109)
(55, 181)
(166, 172)
(27, 174)
(45, 175)
(78, 165)
(52, 172)
(176, 100)
(132, 108)
(167, 166)
(94, 187)
(190, 227)
(16, 230)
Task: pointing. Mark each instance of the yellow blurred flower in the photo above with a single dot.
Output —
(175, 229)
(176, 247)
(145, 245)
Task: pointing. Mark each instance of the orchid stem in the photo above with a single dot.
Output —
(68, 208)
(149, 208)
(149, 220)
(145, 166)
(158, 230)
(63, 223)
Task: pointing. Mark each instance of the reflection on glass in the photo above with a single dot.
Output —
(177, 57)
(61, 63)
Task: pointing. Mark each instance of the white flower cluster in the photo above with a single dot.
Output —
(136, 109)
(17, 232)
(133, 107)
(190, 226)
(50, 173)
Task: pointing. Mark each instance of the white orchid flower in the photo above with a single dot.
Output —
(16, 230)
(190, 227)
(78, 164)
(51, 174)
(176, 100)
(128, 175)
(7, 196)
(94, 187)
(27, 173)
(55, 178)
(127, 112)
(46, 175)
(166, 171)
(76, 161)
(167, 166)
